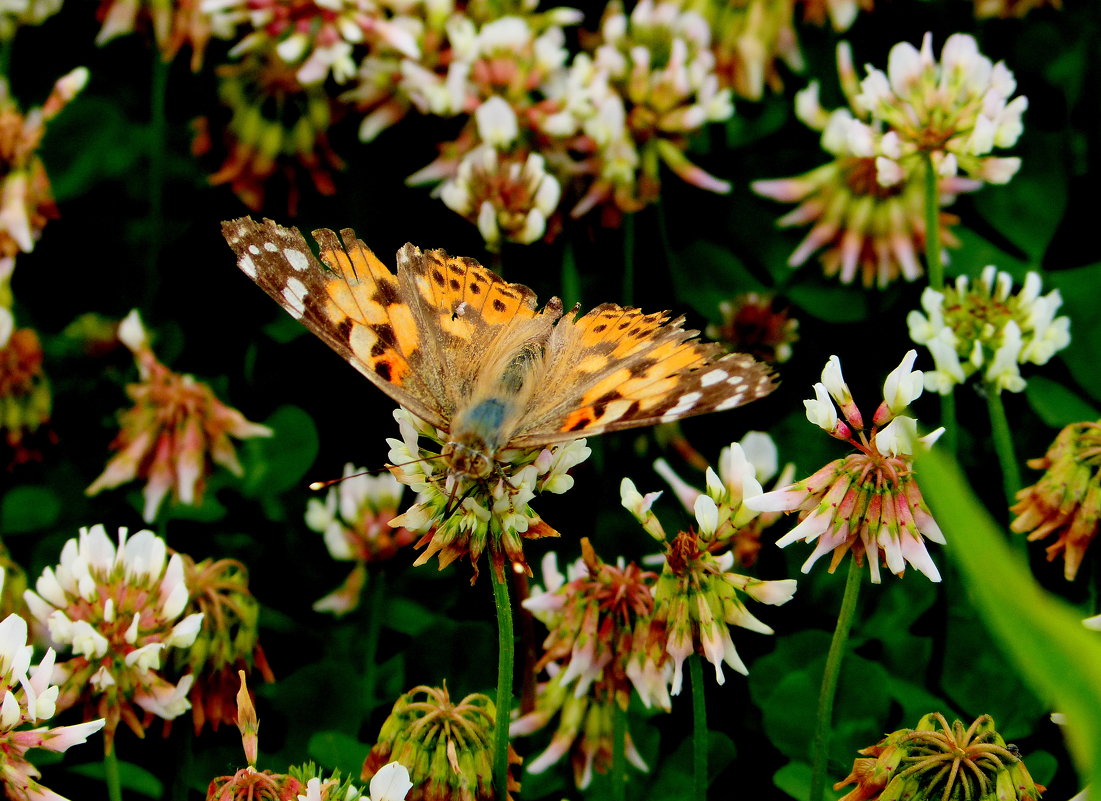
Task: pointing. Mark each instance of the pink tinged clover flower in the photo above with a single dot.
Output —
(354, 518)
(982, 328)
(117, 609)
(29, 697)
(866, 213)
(175, 432)
(742, 467)
(593, 653)
(697, 598)
(869, 502)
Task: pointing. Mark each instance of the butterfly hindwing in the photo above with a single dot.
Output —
(618, 367)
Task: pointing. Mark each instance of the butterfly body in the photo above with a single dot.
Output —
(474, 356)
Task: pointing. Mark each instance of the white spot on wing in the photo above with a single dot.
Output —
(248, 266)
(271, 247)
(714, 377)
(685, 403)
(294, 294)
(734, 380)
(255, 251)
(297, 258)
(730, 403)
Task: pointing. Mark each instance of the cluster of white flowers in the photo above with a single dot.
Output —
(957, 109)
(29, 697)
(982, 328)
(115, 608)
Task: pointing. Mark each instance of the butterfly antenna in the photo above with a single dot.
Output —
(320, 485)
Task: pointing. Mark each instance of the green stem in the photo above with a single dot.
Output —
(820, 748)
(376, 581)
(628, 293)
(699, 729)
(158, 143)
(1003, 443)
(950, 440)
(111, 774)
(932, 226)
(505, 658)
(619, 751)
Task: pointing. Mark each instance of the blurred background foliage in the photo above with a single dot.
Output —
(917, 647)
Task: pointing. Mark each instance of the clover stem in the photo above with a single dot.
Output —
(111, 773)
(699, 729)
(933, 261)
(1003, 442)
(820, 747)
(619, 751)
(505, 657)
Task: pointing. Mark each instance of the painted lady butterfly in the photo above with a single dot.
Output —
(471, 354)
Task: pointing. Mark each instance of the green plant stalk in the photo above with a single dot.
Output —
(820, 747)
(111, 774)
(619, 752)
(505, 657)
(951, 439)
(699, 729)
(932, 226)
(1003, 443)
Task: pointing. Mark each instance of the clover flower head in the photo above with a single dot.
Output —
(935, 760)
(25, 398)
(697, 600)
(228, 644)
(175, 432)
(509, 196)
(592, 656)
(445, 745)
(754, 323)
(728, 522)
(117, 609)
(26, 201)
(463, 517)
(957, 110)
(1066, 500)
(865, 208)
(390, 783)
(354, 519)
(278, 126)
(29, 697)
(981, 328)
(868, 502)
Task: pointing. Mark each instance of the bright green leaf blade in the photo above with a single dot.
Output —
(337, 750)
(1056, 405)
(131, 777)
(1042, 636)
(29, 508)
(275, 464)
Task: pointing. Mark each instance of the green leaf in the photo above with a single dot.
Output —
(408, 617)
(832, 302)
(1056, 405)
(705, 274)
(337, 750)
(275, 464)
(1028, 209)
(1078, 288)
(131, 777)
(975, 253)
(1041, 635)
(29, 508)
(794, 779)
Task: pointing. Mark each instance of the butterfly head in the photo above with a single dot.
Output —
(467, 460)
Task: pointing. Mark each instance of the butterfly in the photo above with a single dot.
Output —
(475, 356)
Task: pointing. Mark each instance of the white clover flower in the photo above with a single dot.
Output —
(982, 327)
(117, 608)
(29, 697)
(957, 110)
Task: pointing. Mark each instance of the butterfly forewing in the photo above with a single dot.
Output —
(355, 306)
